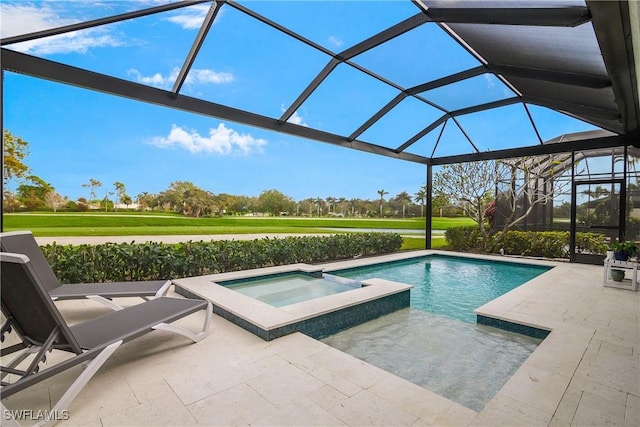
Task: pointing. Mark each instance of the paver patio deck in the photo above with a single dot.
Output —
(586, 372)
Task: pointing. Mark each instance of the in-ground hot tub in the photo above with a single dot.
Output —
(283, 289)
(276, 301)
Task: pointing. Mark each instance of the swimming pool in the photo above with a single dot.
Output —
(280, 290)
(448, 285)
(436, 343)
(461, 361)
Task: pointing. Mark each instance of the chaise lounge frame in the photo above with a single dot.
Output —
(33, 316)
(23, 242)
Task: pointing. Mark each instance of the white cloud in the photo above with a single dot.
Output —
(491, 84)
(221, 140)
(195, 76)
(157, 80)
(488, 78)
(24, 18)
(208, 76)
(295, 118)
(190, 18)
(335, 41)
(73, 42)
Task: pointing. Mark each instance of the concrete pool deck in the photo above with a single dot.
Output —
(586, 372)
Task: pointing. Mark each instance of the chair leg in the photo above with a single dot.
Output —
(195, 337)
(19, 358)
(79, 383)
(164, 289)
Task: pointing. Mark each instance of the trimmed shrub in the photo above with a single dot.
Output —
(547, 244)
(591, 243)
(550, 244)
(464, 239)
(113, 262)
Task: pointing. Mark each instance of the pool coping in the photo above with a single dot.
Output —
(270, 322)
(535, 390)
(534, 394)
(317, 317)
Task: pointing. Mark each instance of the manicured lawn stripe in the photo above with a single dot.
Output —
(130, 224)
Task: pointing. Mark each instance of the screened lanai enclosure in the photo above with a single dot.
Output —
(586, 191)
(548, 87)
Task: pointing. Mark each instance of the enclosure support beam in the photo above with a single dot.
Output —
(98, 22)
(574, 210)
(55, 71)
(570, 16)
(429, 211)
(197, 44)
(537, 150)
(623, 196)
(2, 149)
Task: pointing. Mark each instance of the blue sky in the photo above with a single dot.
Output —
(75, 135)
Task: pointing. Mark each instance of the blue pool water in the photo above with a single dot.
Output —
(281, 290)
(450, 286)
(436, 343)
(461, 361)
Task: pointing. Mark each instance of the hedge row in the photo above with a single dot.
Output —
(548, 244)
(463, 239)
(130, 261)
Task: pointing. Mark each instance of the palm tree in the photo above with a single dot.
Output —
(107, 193)
(403, 198)
(92, 185)
(122, 193)
(319, 202)
(330, 202)
(382, 193)
(421, 197)
(352, 205)
(340, 203)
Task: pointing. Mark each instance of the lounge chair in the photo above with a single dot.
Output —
(32, 314)
(23, 242)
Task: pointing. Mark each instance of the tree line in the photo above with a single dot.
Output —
(500, 193)
(186, 198)
(34, 193)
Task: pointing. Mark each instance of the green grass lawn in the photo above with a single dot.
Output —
(153, 224)
(417, 243)
(130, 224)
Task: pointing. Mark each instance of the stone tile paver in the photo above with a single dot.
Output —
(587, 372)
(596, 411)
